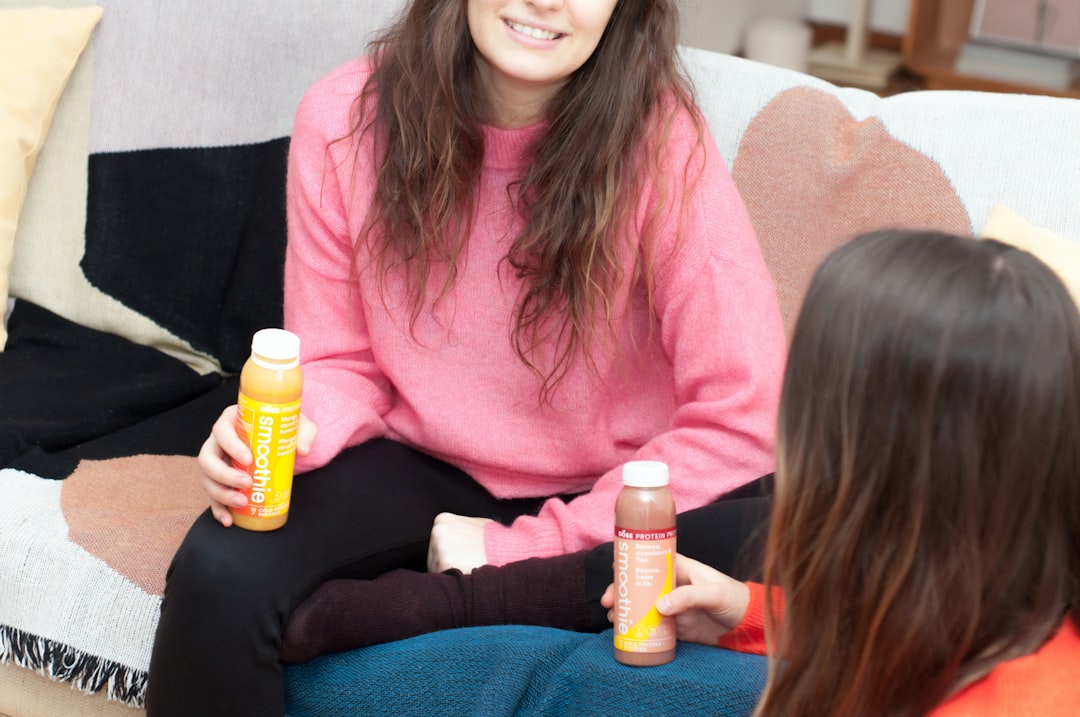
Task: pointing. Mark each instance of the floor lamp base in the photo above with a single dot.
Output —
(873, 69)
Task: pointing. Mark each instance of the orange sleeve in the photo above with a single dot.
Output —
(1041, 684)
(749, 635)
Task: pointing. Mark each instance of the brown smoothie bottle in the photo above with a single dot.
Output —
(644, 565)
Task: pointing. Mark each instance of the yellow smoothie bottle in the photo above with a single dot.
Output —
(267, 418)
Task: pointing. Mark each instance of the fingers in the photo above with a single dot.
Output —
(608, 600)
(724, 602)
(219, 469)
(435, 562)
(305, 435)
(223, 497)
(456, 542)
(452, 520)
(221, 480)
(224, 487)
(224, 434)
(688, 597)
(688, 570)
(221, 514)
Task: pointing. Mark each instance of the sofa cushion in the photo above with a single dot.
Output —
(817, 164)
(24, 693)
(39, 48)
(813, 175)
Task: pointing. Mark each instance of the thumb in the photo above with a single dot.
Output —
(305, 435)
(680, 600)
(726, 601)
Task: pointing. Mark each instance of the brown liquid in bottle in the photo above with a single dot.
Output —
(644, 565)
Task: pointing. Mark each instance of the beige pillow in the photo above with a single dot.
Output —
(1057, 252)
(39, 47)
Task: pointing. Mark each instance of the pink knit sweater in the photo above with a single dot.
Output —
(700, 394)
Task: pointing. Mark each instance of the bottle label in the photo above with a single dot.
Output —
(644, 570)
(270, 432)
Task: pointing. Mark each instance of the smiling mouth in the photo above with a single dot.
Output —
(533, 32)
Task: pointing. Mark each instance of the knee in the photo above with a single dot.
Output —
(215, 574)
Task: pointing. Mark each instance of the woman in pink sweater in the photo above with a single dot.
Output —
(515, 262)
(925, 539)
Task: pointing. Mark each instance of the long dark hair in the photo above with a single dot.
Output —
(927, 516)
(427, 118)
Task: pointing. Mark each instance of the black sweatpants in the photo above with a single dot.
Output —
(229, 592)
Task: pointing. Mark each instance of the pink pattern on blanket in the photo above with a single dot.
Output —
(154, 500)
(813, 176)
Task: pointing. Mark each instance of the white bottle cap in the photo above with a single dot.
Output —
(645, 474)
(276, 345)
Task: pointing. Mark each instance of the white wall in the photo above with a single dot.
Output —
(886, 15)
(718, 24)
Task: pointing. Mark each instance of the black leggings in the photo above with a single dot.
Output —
(229, 592)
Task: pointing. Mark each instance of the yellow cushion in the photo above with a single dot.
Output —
(1057, 252)
(39, 47)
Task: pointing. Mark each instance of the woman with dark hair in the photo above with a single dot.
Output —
(924, 549)
(515, 262)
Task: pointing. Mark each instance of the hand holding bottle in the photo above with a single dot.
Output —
(706, 605)
(224, 482)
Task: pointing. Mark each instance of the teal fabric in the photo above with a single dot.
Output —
(516, 670)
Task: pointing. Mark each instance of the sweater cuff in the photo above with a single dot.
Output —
(749, 635)
(524, 539)
(340, 422)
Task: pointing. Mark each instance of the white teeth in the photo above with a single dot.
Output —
(532, 31)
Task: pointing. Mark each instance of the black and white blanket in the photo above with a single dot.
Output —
(99, 487)
(150, 248)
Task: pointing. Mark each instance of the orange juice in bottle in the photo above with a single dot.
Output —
(267, 418)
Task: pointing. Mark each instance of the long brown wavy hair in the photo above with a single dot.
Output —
(927, 515)
(428, 110)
